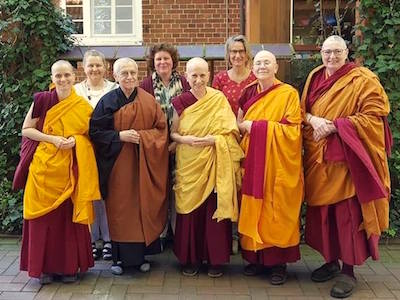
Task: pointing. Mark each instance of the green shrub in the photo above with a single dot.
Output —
(380, 50)
(33, 34)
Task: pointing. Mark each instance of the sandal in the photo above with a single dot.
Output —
(325, 272)
(278, 275)
(344, 286)
(95, 251)
(107, 251)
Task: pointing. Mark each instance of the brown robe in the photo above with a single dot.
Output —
(136, 201)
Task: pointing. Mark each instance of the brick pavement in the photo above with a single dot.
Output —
(376, 280)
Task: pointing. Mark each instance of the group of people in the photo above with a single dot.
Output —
(136, 160)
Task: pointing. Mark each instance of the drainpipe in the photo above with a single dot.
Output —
(242, 18)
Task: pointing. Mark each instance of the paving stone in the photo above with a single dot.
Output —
(33, 285)
(156, 278)
(159, 297)
(62, 296)
(22, 277)
(7, 261)
(17, 296)
(6, 278)
(223, 290)
(11, 287)
(133, 297)
(77, 296)
(103, 285)
(144, 289)
(117, 292)
(48, 291)
(13, 269)
(380, 290)
(75, 288)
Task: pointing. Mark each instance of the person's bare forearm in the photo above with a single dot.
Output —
(37, 135)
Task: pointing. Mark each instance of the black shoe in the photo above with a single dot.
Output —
(325, 272)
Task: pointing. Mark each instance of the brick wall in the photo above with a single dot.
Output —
(186, 22)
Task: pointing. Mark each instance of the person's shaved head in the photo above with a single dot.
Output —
(265, 54)
(197, 75)
(60, 63)
(265, 67)
(197, 62)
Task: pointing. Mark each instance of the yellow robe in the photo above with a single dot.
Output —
(201, 170)
(359, 97)
(274, 220)
(51, 179)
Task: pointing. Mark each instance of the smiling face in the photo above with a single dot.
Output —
(127, 76)
(334, 55)
(63, 77)
(237, 54)
(265, 66)
(163, 63)
(94, 68)
(197, 74)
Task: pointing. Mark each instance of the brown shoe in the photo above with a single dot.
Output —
(344, 286)
(278, 275)
(325, 272)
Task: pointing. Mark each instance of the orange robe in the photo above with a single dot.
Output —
(272, 189)
(52, 177)
(357, 97)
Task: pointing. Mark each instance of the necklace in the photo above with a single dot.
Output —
(93, 94)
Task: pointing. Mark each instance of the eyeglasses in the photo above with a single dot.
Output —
(240, 52)
(328, 52)
(127, 73)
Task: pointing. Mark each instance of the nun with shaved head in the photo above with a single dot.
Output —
(269, 119)
(58, 171)
(207, 173)
(347, 184)
(130, 134)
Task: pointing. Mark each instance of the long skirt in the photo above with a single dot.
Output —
(272, 256)
(53, 244)
(200, 238)
(334, 231)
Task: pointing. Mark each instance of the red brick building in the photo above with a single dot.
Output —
(127, 27)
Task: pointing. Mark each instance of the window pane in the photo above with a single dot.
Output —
(79, 27)
(123, 27)
(102, 14)
(102, 27)
(123, 13)
(123, 2)
(73, 2)
(102, 2)
(75, 12)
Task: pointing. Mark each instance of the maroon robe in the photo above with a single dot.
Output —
(326, 224)
(51, 244)
(199, 237)
(273, 255)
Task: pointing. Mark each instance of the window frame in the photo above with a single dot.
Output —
(88, 39)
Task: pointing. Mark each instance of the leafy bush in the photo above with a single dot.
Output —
(380, 50)
(33, 34)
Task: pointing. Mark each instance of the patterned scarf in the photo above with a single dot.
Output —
(164, 94)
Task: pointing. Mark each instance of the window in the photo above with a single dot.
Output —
(106, 22)
(306, 25)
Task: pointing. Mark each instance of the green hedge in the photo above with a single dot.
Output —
(380, 50)
(33, 34)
